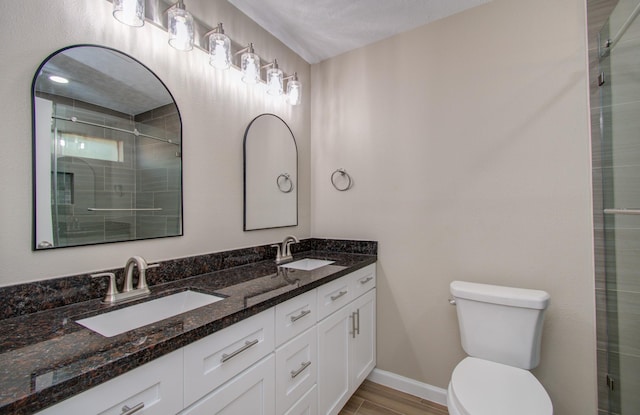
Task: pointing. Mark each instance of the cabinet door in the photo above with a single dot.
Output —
(363, 280)
(362, 354)
(296, 367)
(334, 295)
(295, 316)
(307, 405)
(251, 393)
(333, 361)
(211, 361)
(156, 386)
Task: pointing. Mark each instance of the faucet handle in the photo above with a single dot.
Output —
(112, 290)
(278, 253)
(156, 265)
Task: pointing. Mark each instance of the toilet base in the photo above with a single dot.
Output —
(451, 406)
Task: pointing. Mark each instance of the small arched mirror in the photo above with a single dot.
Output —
(270, 174)
(107, 151)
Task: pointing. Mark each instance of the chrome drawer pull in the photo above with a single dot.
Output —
(303, 366)
(353, 324)
(128, 411)
(366, 280)
(340, 294)
(299, 316)
(231, 355)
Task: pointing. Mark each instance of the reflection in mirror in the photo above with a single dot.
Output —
(270, 174)
(107, 151)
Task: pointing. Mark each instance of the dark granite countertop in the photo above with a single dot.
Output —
(46, 357)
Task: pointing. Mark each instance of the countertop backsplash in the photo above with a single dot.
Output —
(21, 299)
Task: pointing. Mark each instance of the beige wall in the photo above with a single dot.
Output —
(468, 143)
(215, 109)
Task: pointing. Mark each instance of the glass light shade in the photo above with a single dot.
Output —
(294, 92)
(129, 12)
(219, 51)
(274, 81)
(180, 29)
(250, 66)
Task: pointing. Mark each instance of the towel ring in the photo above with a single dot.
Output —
(343, 173)
(282, 183)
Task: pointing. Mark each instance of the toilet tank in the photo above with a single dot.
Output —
(501, 324)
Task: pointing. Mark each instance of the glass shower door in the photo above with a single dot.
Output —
(620, 124)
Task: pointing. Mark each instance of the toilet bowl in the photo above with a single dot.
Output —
(500, 330)
(482, 387)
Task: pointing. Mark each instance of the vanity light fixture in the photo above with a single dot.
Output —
(182, 28)
(249, 65)
(294, 89)
(274, 78)
(129, 12)
(219, 48)
(180, 24)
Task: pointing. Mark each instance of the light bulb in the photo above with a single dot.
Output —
(180, 28)
(250, 65)
(294, 91)
(219, 51)
(274, 81)
(129, 12)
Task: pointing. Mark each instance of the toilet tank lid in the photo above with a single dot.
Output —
(496, 294)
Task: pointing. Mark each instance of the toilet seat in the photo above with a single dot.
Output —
(482, 387)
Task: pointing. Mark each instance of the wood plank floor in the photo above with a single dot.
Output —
(374, 399)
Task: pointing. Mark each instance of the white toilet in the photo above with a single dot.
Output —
(500, 329)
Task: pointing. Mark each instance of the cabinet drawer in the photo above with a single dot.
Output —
(250, 393)
(334, 295)
(295, 316)
(211, 361)
(363, 280)
(307, 405)
(296, 368)
(157, 385)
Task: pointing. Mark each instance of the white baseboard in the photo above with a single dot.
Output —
(410, 386)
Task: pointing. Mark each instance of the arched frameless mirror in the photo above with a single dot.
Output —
(107, 149)
(270, 174)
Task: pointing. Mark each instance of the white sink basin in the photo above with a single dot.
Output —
(307, 264)
(120, 321)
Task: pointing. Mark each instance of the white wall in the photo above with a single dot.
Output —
(468, 143)
(215, 108)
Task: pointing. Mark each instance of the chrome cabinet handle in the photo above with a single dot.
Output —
(340, 294)
(353, 324)
(233, 354)
(299, 316)
(366, 280)
(128, 411)
(303, 366)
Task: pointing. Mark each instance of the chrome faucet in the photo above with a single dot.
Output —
(128, 292)
(284, 249)
(141, 264)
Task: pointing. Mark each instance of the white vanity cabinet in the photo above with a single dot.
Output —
(305, 356)
(154, 388)
(347, 343)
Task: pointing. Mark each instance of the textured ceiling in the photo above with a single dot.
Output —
(320, 29)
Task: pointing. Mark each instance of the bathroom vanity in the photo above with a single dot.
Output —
(282, 341)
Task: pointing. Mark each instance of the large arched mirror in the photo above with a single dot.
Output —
(107, 151)
(270, 174)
